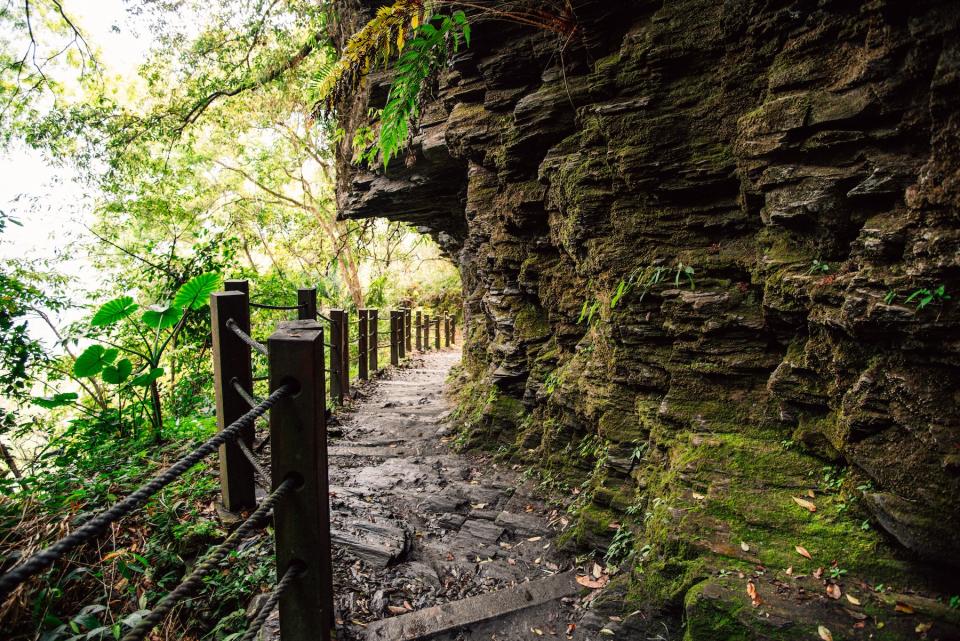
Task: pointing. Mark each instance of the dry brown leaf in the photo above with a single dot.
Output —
(790, 571)
(593, 584)
(824, 633)
(903, 607)
(395, 609)
(537, 631)
(534, 539)
(597, 571)
(833, 591)
(511, 561)
(852, 599)
(818, 573)
(613, 526)
(570, 628)
(752, 593)
(802, 551)
(407, 606)
(923, 627)
(804, 503)
(744, 546)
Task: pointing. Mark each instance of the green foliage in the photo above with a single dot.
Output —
(92, 361)
(621, 547)
(113, 311)
(425, 54)
(818, 267)
(194, 293)
(927, 296)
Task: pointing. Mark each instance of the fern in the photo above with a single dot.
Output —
(426, 52)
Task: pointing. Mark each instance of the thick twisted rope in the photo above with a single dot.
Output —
(189, 586)
(294, 571)
(97, 525)
(244, 394)
(245, 337)
(259, 469)
(278, 307)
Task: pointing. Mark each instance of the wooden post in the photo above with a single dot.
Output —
(419, 331)
(231, 360)
(307, 301)
(298, 446)
(345, 353)
(426, 332)
(394, 347)
(453, 330)
(363, 337)
(336, 355)
(446, 330)
(374, 341)
(408, 328)
(436, 336)
(401, 334)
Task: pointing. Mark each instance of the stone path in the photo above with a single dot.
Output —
(416, 525)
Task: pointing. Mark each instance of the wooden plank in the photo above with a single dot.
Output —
(459, 614)
(373, 342)
(307, 302)
(363, 337)
(336, 356)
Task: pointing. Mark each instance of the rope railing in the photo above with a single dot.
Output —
(260, 618)
(257, 467)
(278, 307)
(191, 585)
(99, 524)
(246, 338)
(243, 393)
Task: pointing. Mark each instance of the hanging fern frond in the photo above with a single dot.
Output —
(376, 41)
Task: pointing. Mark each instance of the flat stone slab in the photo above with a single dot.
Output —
(459, 614)
(378, 544)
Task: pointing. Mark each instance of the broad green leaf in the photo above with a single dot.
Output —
(114, 311)
(93, 360)
(57, 400)
(116, 374)
(144, 380)
(195, 292)
(162, 316)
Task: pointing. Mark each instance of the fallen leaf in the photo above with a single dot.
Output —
(859, 616)
(511, 561)
(537, 631)
(818, 573)
(755, 599)
(833, 591)
(113, 555)
(570, 628)
(395, 609)
(449, 556)
(852, 599)
(744, 546)
(790, 571)
(923, 627)
(698, 497)
(606, 631)
(593, 584)
(478, 506)
(859, 625)
(824, 633)
(534, 539)
(811, 493)
(407, 606)
(903, 607)
(597, 571)
(804, 503)
(802, 551)
(613, 526)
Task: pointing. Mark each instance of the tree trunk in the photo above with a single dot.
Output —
(11, 463)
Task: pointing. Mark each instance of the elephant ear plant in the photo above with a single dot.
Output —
(133, 364)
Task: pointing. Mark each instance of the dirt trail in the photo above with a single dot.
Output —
(416, 525)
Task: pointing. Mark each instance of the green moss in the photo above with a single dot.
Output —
(531, 324)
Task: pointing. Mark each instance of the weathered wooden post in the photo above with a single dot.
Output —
(453, 329)
(231, 361)
(373, 342)
(363, 336)
(436, 335)
(426, 332)
(336, 356)
(419, 331)
(446, 330)
(394, 338)
(401, 334)
(298, 445)
(408, 329)
(345, 353)
(307, 303)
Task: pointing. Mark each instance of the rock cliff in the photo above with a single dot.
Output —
(711, 256)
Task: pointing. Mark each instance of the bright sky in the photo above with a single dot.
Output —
(45, 198)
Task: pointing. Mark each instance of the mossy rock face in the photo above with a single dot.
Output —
(744, 176)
